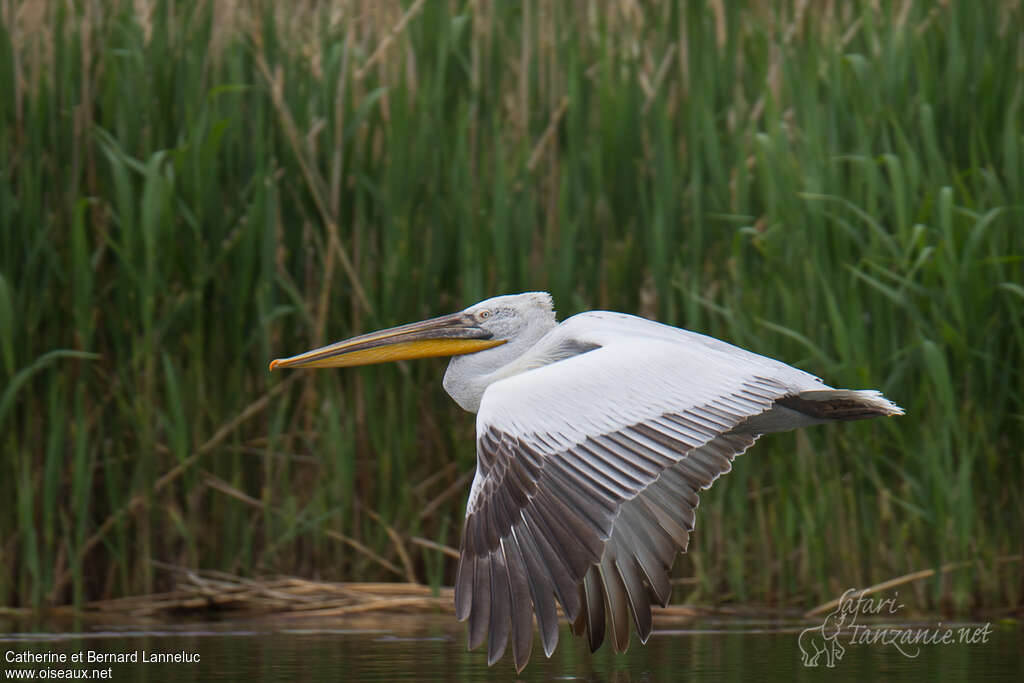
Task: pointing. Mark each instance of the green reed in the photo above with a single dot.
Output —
(193, 189)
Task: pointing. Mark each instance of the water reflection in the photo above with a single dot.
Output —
(402, 648)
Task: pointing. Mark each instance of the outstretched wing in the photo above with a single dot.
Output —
(587, 476)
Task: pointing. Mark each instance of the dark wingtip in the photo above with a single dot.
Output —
(464, 587)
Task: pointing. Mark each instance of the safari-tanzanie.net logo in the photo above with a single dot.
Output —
(860, 620)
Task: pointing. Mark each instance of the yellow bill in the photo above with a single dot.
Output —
(449, 335)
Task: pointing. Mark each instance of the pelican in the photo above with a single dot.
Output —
(593, 438)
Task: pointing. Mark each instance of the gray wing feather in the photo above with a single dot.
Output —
(664, 510)
(588, 525)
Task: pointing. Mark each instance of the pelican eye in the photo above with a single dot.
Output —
(483, 314)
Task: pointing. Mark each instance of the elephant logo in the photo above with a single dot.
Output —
(823, 640)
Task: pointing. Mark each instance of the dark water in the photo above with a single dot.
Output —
(404, 648)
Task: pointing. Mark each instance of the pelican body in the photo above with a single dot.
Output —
(594, 437)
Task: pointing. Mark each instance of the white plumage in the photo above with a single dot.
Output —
(594, 437)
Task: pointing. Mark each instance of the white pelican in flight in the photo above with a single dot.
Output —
(593, 439)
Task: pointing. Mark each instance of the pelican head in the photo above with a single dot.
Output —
(482, 340)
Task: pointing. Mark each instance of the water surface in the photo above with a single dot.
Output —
(424, 648)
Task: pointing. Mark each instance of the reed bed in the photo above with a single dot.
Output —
(188, 189)
(204, 592)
